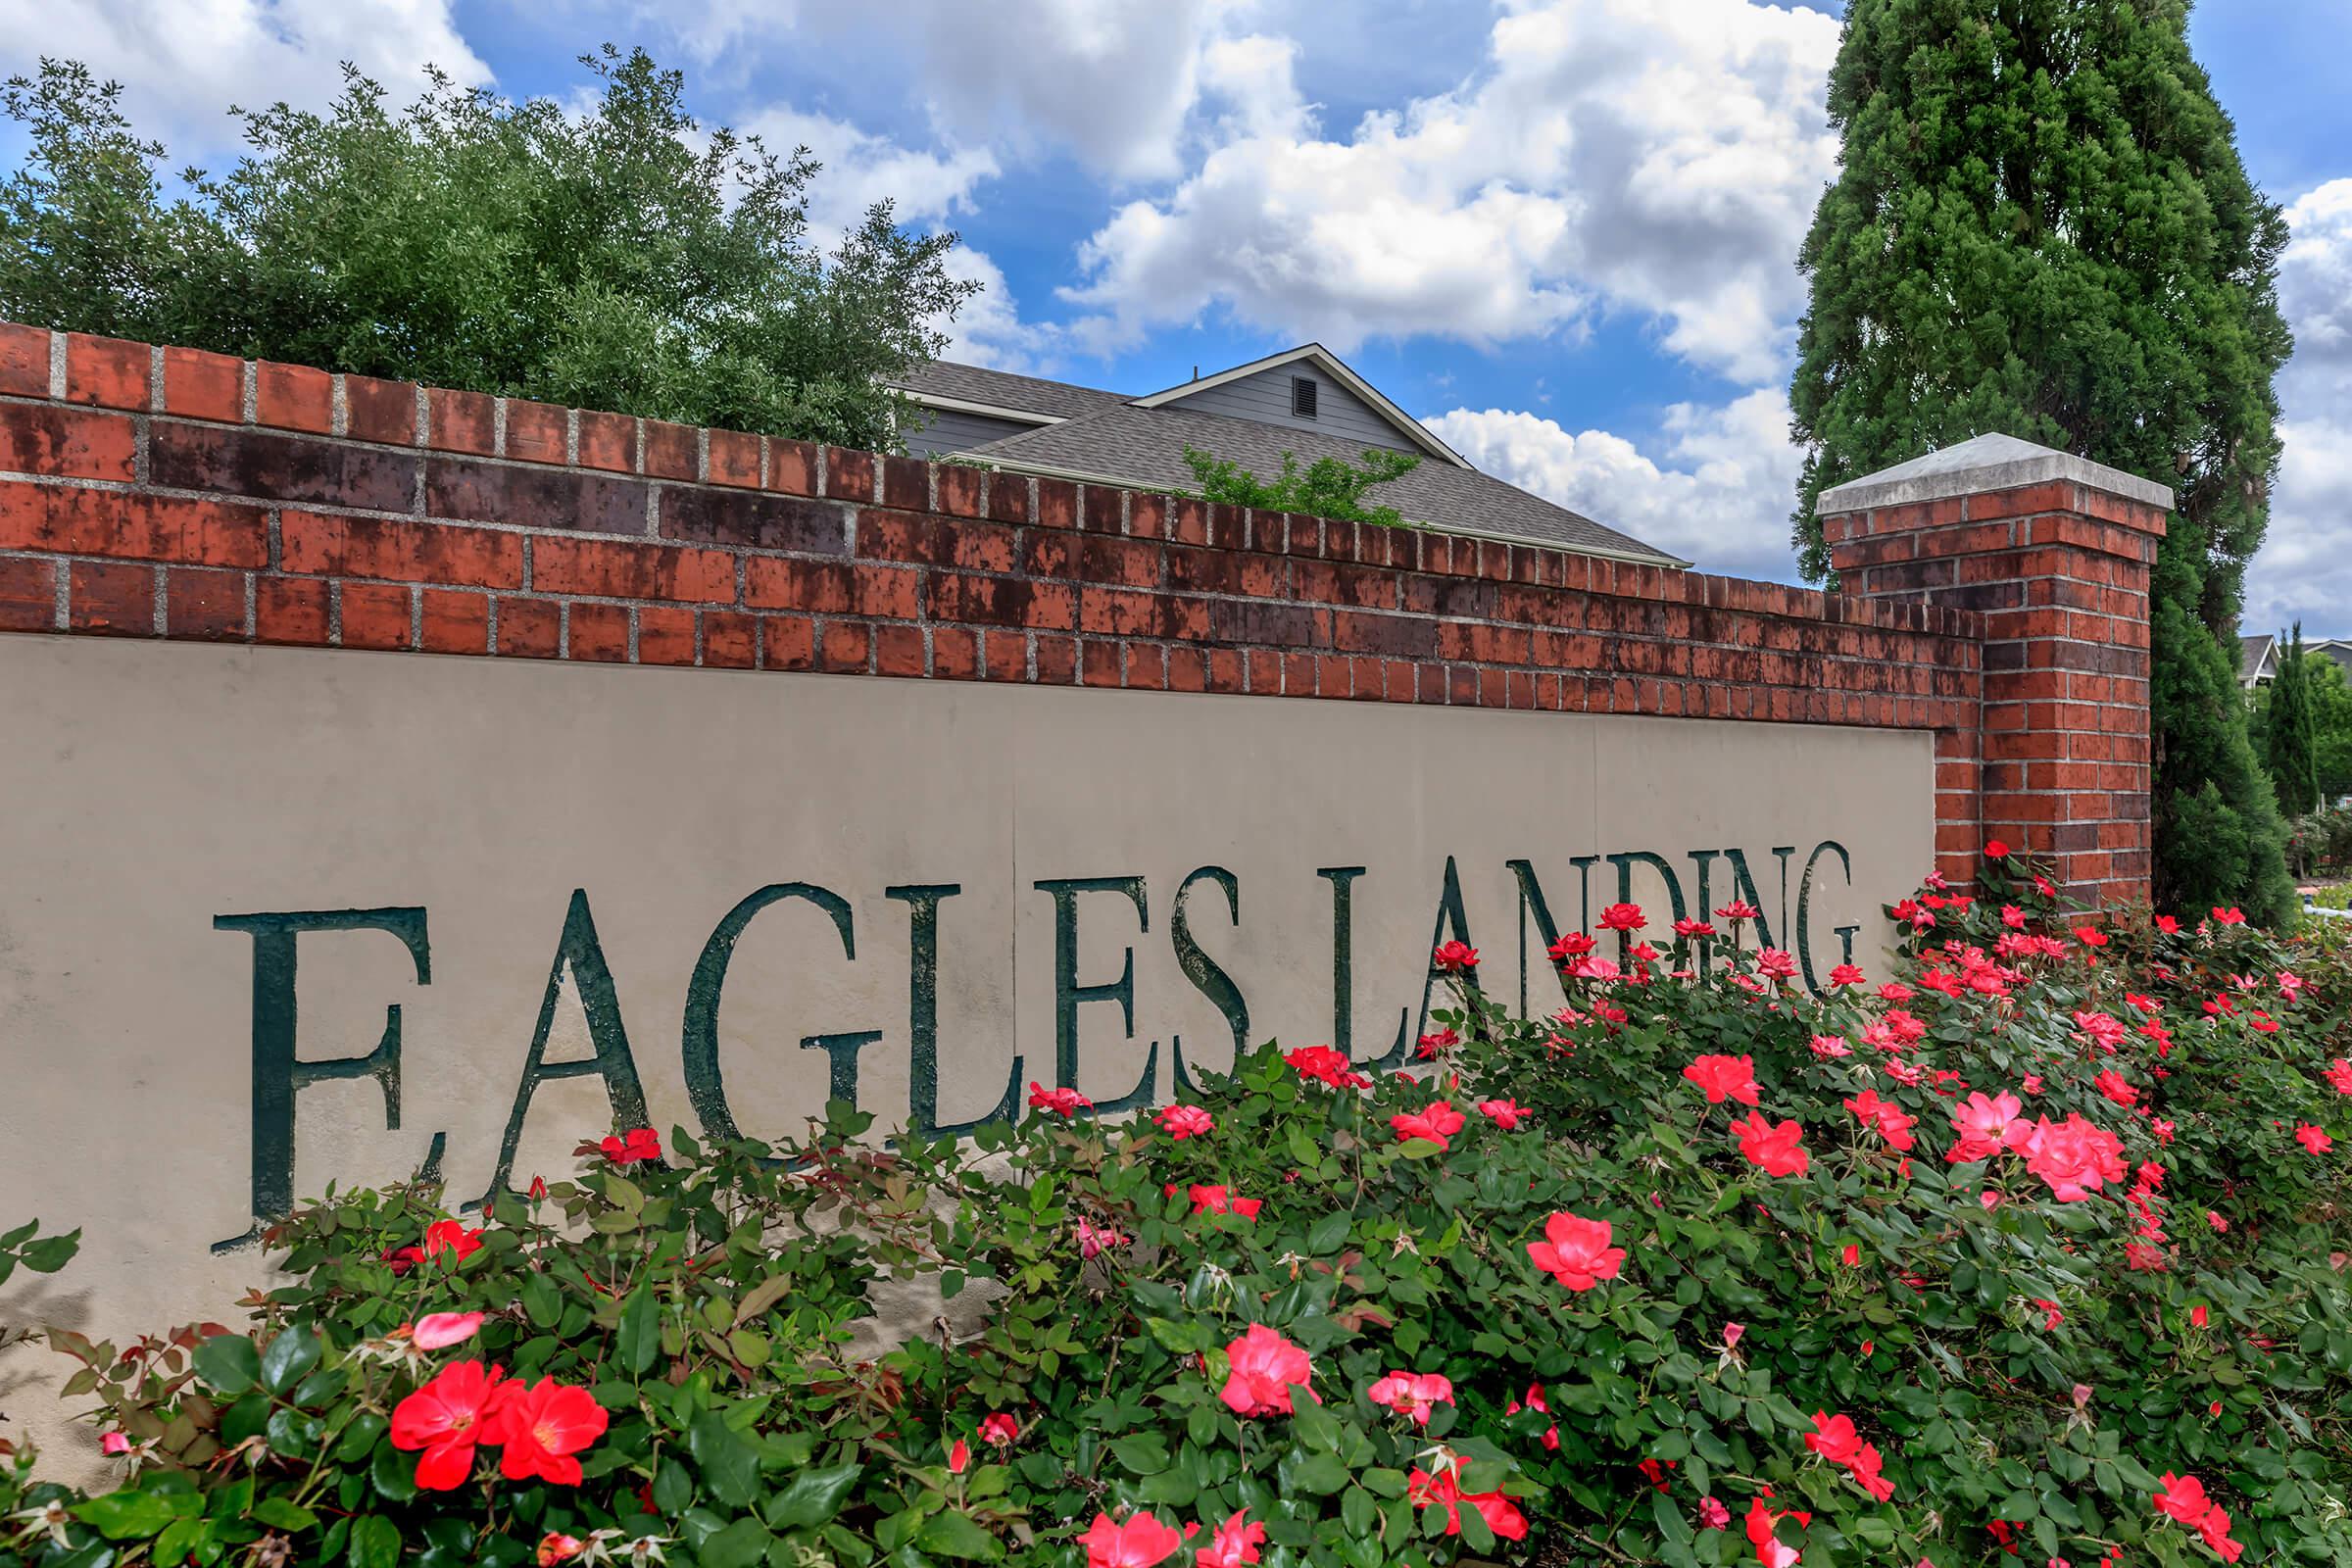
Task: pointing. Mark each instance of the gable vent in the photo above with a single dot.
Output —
(1302, 397)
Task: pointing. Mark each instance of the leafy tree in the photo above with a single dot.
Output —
(1328, 487)
(2329, 696)
(618, 259)
(2293, 760)
(2041, 226)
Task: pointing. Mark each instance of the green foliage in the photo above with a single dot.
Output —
(2021, 1365)
(2331, 696)
(618, 259)
(2041, 226)
(1328, 487)
(2293, 752)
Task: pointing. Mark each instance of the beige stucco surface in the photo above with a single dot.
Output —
(147, 789)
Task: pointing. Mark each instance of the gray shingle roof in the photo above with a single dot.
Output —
(969, 383)
(1146, 447)
(2250, 651)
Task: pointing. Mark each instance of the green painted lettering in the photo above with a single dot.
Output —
(1070, 995)
(923, 1018)
(1804, 910)
(579, 952)
(1547, 932)
(279, 1075)
(1208, 977)
(705, 1085)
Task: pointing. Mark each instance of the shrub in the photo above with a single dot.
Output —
(2036, 1249)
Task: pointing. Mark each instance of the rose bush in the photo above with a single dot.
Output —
(2032, 1248)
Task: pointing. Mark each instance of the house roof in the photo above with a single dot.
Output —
(2252, 654)
(1322, 359)
(976, 390)
(1131, 444)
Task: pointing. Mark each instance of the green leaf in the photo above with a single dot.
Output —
(727, 1459)
(956, 1534)
(229, 1363)
(128, 1515)
(374, 1541)
(739, 1545)
(813, 1497)
(288, 1358)
(52, 1252)
(640, 1331)
(280, 1514)
(764, 1295)
(1329, 1232)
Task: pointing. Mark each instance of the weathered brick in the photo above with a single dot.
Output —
(536, 432)
(274, 466)
(107, 372)
(530, 628)
(534, 497)
(664, 634)
(125, 523)
(455, 622)
(398, 551)
(672, 450)
(108, 596)
(373, 410)
(23, 361)
(293, 397)
(596, 633)
(294, 610)
(201, 386)
(613, 569)
(712, 517)
(460, 421)
(67, 443)
(27, 592)
(204, 606)
(376, 616)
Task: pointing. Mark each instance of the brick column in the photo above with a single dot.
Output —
(2054, 552)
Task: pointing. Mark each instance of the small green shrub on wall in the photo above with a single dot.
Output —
(2034, 1249)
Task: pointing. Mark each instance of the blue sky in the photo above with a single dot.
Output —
(1560, 231)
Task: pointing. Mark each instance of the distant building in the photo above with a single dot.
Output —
(1303, 401)
(2258, 656)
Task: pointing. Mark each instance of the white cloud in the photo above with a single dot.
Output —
(1715, 489)
(1111, 82)
(184, 62)
(860, 168)
(2305, 565)
(1662, 160)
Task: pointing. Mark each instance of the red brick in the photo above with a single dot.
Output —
(672, 450)
(455, 622)
(117, 523)
(664, 634)
(530, 628)
(1056, 660)
(537, 432)
(792, 468)
(899, 650)
(292, 611)
(906, 484)
(462, 422)
(373, 410)
(1056, 504)
(962, 490)
(375, 615)
(23, 361)
(787, 642)
(293, 397)
(734, 459)
(202, 386)
(45, 439)
(397, 551)
(1009, 497)
(27, 594)
(204, 606)
(1148, 517)
(1099, 663)
(115, 598)
(1005, 654)
(1146, 667)
(608, 441)
(105, 371)
(849, 475)
(610, 569)
(598, 632)
(730, 639)
(955, 654)
(845, 648)
(833, 588)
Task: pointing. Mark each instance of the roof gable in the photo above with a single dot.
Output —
(1415, 436)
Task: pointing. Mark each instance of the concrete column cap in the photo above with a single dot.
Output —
(1983, 464)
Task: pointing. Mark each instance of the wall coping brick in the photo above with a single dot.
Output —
(1983, 464)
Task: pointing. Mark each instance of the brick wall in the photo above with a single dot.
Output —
(164, 492)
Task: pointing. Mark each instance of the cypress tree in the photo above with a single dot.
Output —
(2294, 744)
(2040, 226)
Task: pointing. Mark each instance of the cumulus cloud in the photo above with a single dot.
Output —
(184, 62)
(2305, 567)
(860, 168)
(1715, 488)
(1608, 153)
(1111, 85)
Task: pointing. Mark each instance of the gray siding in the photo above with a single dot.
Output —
(946, 430)
(1265, 398)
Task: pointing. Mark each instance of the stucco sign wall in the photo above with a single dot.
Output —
(272, 918)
